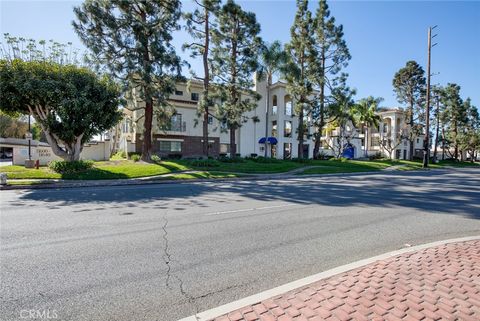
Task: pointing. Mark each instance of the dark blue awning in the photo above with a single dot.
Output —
(270, 140)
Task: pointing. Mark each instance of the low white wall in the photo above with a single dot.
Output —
(93, 151)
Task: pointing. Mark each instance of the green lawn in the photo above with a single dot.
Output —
(100, 170)
(337, 166)
(15, 171)
(200, 175)
(129, 169)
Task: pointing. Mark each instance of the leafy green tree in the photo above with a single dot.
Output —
(32, 50)
(235, 59)
(365, 114)
(333, 55)
(409, 86)
(438, 116)
(272, 59)
(133, 41)
(455, 113)
(469, 137)
(71, 104)
(200, 25)
(12, 126)
(341, 112)
(299, 69)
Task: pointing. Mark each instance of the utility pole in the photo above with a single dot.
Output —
(426, 143)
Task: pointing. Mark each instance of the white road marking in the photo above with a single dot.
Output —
(250, 209)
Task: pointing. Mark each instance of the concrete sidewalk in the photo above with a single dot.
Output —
(436, 283)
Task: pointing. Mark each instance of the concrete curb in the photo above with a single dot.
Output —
(224, 309)
(247, 177)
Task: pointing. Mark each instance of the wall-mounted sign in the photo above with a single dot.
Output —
(44, 152)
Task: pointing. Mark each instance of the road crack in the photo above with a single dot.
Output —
(167, 257)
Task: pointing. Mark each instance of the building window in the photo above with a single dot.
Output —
(176, 123)
(274, 128)
(375, 141)
(288, 106)
(224, 148)
(287, 150)
(126, 126)
(418, 140)
(178, 92)
(224, 125)
(167, 146)
(274, 105)
(288, 129)
(194, 96)
(210, 120)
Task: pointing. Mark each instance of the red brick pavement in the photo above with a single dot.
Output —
(438, 283)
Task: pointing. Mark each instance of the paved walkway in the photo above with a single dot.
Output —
(438, 283)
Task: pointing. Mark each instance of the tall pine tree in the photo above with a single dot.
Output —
(299, 69)
(455, 114)
(235, 59)
(409, 85)
(200, 25)
(132, 39)
(333, 55)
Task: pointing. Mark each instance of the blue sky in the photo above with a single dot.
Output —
(382, 36)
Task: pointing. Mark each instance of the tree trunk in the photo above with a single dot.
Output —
(366, 141)
(205, 132)
(436, 133)
(269, 80)
(233, 146)
(73, 150)
(412, 139)
(147, 131)
(443, 142)
(455, 131)
(206, 84)
(301, 130)
(322, 106)
(147, 125)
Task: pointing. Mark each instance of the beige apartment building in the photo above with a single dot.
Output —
(181, 135)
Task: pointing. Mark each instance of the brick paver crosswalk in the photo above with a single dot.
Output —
(438, 283)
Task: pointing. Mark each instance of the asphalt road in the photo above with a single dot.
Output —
(163, 252)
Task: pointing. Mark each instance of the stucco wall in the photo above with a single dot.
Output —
(98, 151)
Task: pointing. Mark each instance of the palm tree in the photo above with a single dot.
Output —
(272, 58)
(365, 112)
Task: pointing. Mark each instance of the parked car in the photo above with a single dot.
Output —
(6, 154)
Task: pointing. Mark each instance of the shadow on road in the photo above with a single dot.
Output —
(454, 192)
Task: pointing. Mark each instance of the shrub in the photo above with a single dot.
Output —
(64, 167)
(174, 156)
(135, 157)
(119, 155)
(264, 160)
(302, 160)
(231, 160)
(322, 155)
(375, 156)
(204, 163)
(156, 158)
